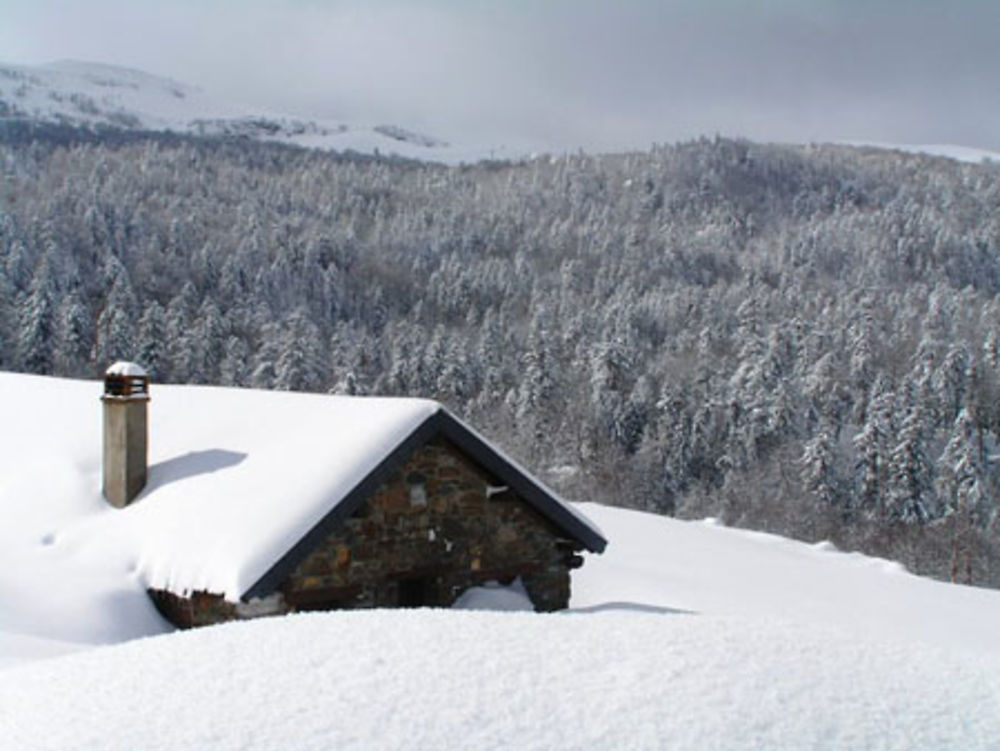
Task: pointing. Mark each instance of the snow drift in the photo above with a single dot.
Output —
(617, 679)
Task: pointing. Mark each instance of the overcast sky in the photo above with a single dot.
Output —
(562, 73)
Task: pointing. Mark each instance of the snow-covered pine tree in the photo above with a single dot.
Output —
(819, 476)
(234, 368)
(872, 452)
(151, 341)
(301, 363)
(37, 322)
(910, 496)
(72, 342)
(960, 488)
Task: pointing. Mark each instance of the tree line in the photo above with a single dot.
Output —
(798, 339)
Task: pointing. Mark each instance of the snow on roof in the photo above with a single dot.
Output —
(122, 368)
(236, 477)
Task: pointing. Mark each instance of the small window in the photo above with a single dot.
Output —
(418, 494)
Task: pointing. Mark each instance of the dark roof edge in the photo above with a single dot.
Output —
(443, 423)
(518, 480)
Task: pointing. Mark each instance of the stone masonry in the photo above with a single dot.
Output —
(436, 527)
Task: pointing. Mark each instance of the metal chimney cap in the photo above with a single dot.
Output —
(126, 381)
(128, 369)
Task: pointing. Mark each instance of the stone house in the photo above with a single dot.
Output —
(434, 511)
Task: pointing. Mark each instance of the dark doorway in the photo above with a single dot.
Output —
(413, 593)
(327, 598)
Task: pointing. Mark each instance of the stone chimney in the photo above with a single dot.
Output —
(126, 396)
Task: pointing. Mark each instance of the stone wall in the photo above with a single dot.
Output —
(434, 528)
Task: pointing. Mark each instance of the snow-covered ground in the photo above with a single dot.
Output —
(616, 679)
(84, 93)
(681, 635)
(949, 151)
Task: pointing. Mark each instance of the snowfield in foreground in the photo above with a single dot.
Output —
(683, 635)
(615, 679)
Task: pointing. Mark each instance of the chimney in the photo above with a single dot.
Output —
(126, 395)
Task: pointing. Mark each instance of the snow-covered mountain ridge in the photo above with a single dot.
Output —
(94, 94)
(71, 92)
(949, 151)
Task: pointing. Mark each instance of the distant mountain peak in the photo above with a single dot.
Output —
(88, 94)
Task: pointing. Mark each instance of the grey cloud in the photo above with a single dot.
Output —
(565, 74)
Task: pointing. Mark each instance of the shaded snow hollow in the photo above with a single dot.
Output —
(682, 635)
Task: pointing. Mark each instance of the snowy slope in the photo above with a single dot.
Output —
(949, 151)
(475, 680)
(705, 568)
(682, 635)
(92, 94)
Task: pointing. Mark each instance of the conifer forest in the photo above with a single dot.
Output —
(796, 339)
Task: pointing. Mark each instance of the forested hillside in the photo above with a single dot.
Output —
(799, 339)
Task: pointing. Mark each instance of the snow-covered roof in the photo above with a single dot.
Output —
(237, 478)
